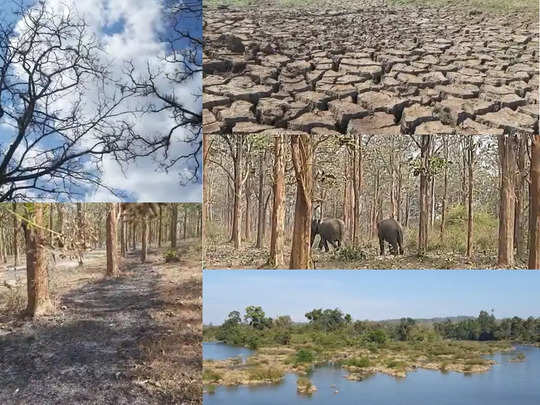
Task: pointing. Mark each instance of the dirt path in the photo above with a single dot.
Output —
(369, 67)
(90, 350)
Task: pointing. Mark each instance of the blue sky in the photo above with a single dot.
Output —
(374, 295)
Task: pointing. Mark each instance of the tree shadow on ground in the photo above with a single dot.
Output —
(86, 352)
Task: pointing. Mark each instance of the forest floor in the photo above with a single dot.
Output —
(371, 66)
(134, 339)
(221, 255)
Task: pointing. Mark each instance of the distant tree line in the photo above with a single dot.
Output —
(486, 327)
(334, 328)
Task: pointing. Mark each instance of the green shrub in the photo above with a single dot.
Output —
(359, 362)
(377, 336)
(265, 374)
(304, 356)
(350, 254)
(283, 337)
(253, 342)
(395, 364)
(211, 376)
(171, 256)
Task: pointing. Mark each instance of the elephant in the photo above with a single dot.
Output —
(331, 230)
(390, 230)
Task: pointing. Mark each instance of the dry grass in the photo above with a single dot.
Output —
(172, 363)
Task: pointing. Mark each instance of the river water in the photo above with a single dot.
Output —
(506, 383)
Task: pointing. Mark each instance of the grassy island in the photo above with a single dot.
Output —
(362, 348)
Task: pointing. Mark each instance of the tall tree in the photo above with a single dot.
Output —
(520, 193)
(174, 225)
(144, 239)
(534, 205)
(302, 158)
(445, 187)
(15, 236)
(470, 163)
(260, 201)
(276, 258)
(507, 159)
(111, 239)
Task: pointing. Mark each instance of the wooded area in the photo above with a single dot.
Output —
(101, 286)
(460, 201)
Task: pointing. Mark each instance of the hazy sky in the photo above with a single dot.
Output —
(373, 295)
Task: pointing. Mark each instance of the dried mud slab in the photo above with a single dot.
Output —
(370, 67)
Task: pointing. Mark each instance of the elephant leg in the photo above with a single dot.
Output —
(394, 248)
(321, 243)
(326, 248)
(334, 245)
(381, 245)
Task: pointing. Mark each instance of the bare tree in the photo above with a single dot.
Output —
(65, 110)
(181, 65)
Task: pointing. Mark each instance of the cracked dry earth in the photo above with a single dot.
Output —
(369, 68)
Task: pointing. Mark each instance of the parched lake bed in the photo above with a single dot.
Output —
(506, 383)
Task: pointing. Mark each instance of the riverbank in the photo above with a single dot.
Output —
(269, 365)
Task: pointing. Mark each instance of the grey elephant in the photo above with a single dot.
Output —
(331, 230)
(390, 230)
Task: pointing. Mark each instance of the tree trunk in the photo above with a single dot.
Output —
(15, 236)
(36, 269)
(356, 191)
(60, 218)
(81, 232)
(424, 191)
(174, 223)
(260, 207)
(399, 190)
(506, 146)
(277, 236)
(133, 236)
(185, 221)
(470, 162)
(247, 219)
(302, 157)
(520, 192)
(445, 188)
(393, 194)
(463, 173)
(237, 210)
(51, 223)
(111, 240)
(534, 205)
(2, 246)
(357, 180)
(123, 239)
(160, 226)
(407, 203)
(206, 192)
(346, 197)
(144, 239)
